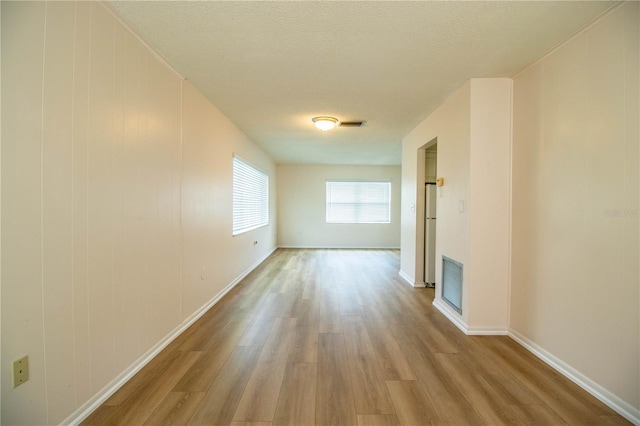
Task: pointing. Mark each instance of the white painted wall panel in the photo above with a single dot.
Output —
(22, 310)
(198, 198)
(133, 132)
(209, 142)
(100, 199)
(93, 181)
(57, 207)
(82, 54)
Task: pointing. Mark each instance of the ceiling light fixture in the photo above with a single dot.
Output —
(325, 123)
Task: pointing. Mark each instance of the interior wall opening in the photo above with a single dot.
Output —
(426, 174)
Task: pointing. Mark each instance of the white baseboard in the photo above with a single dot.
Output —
(455, 318)
(451, 315)
(487, 331)
(338, 247)
(99, 398)
(406, 277)
(623, 408)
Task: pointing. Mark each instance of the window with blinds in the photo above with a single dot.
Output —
(250, 197)
(358, 201)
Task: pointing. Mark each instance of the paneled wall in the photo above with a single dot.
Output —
(209, 142)
(116, 196)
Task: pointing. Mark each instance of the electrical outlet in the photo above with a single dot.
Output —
(20, 371)
(202, 271)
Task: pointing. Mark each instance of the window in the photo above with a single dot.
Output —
(358, 202)
(250, 197)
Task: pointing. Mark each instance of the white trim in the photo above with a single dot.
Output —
(405, 277)
(452, 315)
(99, 398)
(420, 284)
(338, 247)
(620, 406)
(623, 408)
(457, 320)
(487, 331)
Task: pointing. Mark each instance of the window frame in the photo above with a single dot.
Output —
(359, 205)
(261, 202)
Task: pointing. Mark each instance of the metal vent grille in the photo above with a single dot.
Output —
(452, 283)
(352, 123)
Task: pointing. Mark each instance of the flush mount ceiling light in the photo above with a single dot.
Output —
(325, 123)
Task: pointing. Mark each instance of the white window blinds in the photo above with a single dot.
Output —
(250, 197)
(358, 202)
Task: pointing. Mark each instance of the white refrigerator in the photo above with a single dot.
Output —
(430, 235)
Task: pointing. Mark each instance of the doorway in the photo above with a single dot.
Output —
(430, 216)
(426, 213)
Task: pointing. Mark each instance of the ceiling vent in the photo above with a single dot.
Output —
(352, 123)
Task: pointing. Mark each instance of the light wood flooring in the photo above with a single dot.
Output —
(335, 337)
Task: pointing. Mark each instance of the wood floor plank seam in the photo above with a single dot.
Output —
(371, 395)
(336, 337)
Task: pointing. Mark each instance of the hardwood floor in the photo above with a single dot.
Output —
(334, 337)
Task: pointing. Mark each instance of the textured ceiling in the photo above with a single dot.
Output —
(271, 66)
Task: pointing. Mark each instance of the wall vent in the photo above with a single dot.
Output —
(452, 283)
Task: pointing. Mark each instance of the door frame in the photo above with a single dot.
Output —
(420, 210)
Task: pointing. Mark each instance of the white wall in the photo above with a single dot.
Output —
(575, 265)
(489, 205)
(473, 132)
(302, 208)
(209, 142)
(116, 190)
(450, 125)
(573, 295)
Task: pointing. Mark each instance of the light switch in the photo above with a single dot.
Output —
(461, 206)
